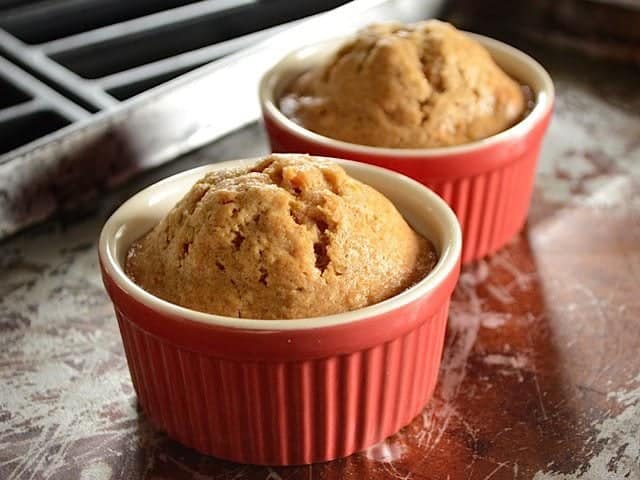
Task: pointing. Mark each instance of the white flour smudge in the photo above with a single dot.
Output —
(512, 361)
(386, 451)
(272, 474)
(508, 365)
(67, 387)
(97, 471)
(521, 280)
(620, 436)
(465, 317)
(496, 320)
(500, 294)
(585, 166)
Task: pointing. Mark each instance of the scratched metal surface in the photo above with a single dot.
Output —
(541, 372)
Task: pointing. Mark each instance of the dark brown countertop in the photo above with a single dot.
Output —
(541, 370)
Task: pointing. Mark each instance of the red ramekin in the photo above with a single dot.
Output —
(281, 392)
(488, 183)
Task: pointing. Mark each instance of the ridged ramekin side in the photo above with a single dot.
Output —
(492, 207)
(284, 412)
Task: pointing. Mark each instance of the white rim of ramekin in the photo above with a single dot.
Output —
(543, 98)
(449, 255)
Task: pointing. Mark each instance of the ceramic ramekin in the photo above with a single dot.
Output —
(488, 183)
(283, 391)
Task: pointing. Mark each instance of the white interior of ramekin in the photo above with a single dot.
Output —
(517, 64)
(422, 208)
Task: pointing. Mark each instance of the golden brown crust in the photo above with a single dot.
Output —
(406, 86)
(292, 237)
